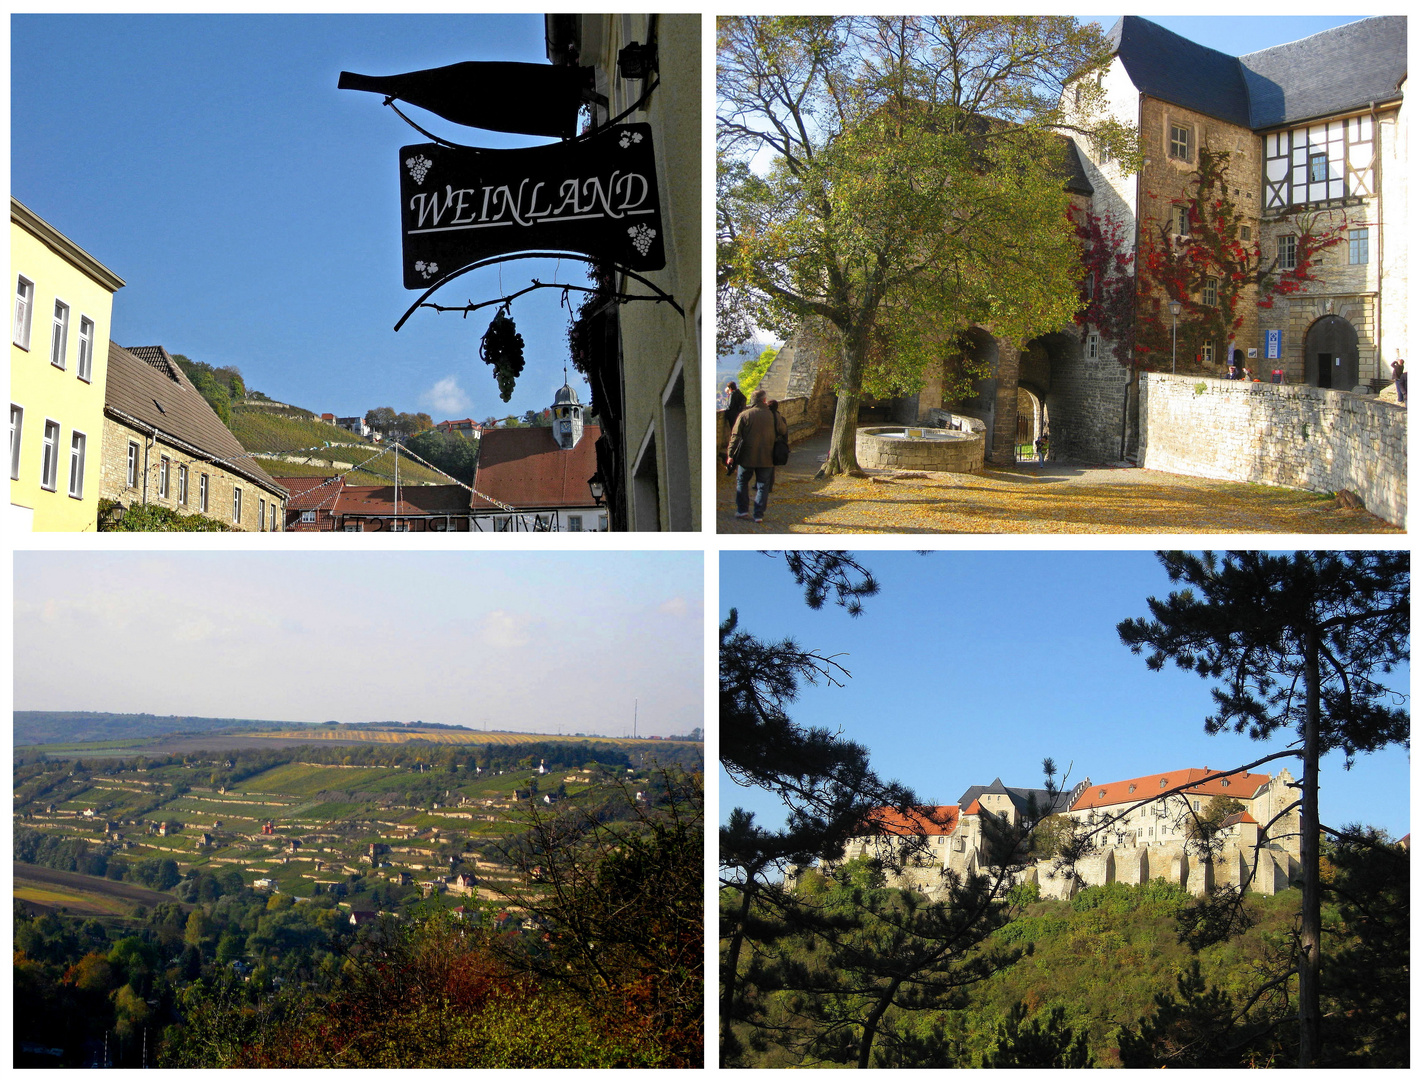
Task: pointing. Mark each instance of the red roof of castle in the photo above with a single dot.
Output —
(924, 820)
(1240, 785)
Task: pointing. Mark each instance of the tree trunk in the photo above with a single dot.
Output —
(729, 976)
(1310, 931)
(870, 1025)
(843, 456)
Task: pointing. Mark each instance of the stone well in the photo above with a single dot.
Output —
(928, 449)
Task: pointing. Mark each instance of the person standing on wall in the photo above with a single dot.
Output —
(751, 451)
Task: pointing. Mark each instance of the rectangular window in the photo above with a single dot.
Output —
(1317, 168)
(1206, 352)
(164, 466)
(59, 342)
(308, 517)
(1357, 246)
(1245, 233)
(17, 430)
(261, 515)
(574, 523)
(355, 526)
(399, 526)
(1287, 252)
(77, 442)
(271, 519)
(202, 493)
(24, 310)
(1211, 291)
(602, 523)
(86, 349)
(1180, 138)
(237, 505)
(49, 462)
(1092, 347)
(1181, 221)
(182, 485)
(132, 464)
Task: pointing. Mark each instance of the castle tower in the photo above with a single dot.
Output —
(567, 416)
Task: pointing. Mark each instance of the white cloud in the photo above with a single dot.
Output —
(445, 396)
(675, 607)
(505, 629)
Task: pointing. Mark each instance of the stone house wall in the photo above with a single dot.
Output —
(1295, 436)
(221, 482)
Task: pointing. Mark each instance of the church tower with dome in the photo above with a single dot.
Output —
(567, 416)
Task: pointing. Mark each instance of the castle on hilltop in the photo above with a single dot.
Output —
(1135, 831)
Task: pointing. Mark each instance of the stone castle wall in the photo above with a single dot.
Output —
(1295, 436)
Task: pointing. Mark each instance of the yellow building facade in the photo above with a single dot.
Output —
(58, 369)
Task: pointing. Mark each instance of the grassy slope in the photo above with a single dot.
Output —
(272, 431)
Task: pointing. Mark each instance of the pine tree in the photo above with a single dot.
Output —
(1297, 643)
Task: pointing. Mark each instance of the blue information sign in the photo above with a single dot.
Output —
(1275, 344)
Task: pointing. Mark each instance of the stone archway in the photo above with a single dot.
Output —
(1330, 357)
(1083, 422)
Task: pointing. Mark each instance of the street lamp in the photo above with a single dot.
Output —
(597, 487)
(1174, 306)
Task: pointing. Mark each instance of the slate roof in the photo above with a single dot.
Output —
(1172, 68)
(146, 384)
(1237, 785)
(1338, 70)
(525, 467)
(1019, 796)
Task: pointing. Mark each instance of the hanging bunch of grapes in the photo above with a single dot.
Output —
(502, 347)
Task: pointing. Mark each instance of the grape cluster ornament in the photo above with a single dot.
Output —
(502, 346)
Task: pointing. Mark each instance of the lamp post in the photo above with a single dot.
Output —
(596, 487)
(1174, 306)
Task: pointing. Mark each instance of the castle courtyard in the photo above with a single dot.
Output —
(1031, 498)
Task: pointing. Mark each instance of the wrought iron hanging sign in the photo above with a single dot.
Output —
(597, 196)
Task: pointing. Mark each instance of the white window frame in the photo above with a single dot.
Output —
(165, 468)
(1206, 352)
(132, 464)
(399, 526)
(17, 433)
(308, 517)
(78, 445)
(49, 460)
(1188, 141)
(24, 311)
(261, 514)
(271, 517)
(354, 526)
(1210, 293)
(202, 493)
(182, 484)
(601, 522)
(59, 337)
(236, 504)
(1092, 346)
(1181, 219)
(574, 523)
(86, 348)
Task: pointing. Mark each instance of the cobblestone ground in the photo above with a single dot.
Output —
(1032, 499)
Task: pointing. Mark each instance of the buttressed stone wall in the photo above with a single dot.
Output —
(1295, 436)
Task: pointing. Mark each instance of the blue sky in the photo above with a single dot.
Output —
(1239, 34)
(974, 665)
(522, 641)
(252, 208)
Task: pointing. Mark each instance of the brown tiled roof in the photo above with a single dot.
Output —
(146, 384)
(377, 501)
(1238, 785)
(311, 492)
(525, 467)
(1243, 816)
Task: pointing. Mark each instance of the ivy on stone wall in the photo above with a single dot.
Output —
(1213, 271)
(1107, 287)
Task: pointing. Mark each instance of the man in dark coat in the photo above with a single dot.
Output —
(752, 448)
(733, 407)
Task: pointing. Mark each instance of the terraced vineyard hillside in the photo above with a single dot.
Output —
(292, 442)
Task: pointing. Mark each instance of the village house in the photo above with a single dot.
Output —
(163, 445)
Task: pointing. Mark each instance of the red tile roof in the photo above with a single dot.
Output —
(974, 808)
(924, 820)
(418, 500)
(1238, 785)
(526, 468)
(1243, 817)
(311, 492)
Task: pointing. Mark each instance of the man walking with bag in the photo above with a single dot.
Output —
(752, 451)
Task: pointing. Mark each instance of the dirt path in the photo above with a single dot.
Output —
(1053, 498)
